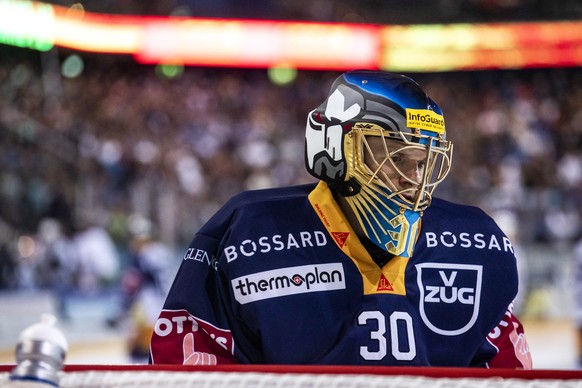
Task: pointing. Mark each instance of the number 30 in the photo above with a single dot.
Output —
(379, 335)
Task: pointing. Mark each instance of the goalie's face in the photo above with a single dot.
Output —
(400, 167)
(404, 168)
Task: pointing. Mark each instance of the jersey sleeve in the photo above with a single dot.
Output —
(506, 346)
(192, 327)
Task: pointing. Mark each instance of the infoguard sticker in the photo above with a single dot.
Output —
(425, 119)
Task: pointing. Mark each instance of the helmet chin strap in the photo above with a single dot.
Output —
(387, 224)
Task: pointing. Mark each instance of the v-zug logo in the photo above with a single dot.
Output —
(288, 281)
(448, 292)
(449, 296)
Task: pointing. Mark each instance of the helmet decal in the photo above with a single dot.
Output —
(336, 109)
(325, 133)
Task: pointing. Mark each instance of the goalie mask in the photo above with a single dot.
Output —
(379, 141)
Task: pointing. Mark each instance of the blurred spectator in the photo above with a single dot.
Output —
(8, 265)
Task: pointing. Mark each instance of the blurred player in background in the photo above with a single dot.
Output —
(578, 300)
(144, 286)
(365, 267)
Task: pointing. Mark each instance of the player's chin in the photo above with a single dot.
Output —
(409, 195)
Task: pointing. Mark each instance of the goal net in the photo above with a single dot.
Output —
(303, 376)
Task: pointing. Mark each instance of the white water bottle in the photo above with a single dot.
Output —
(40, 354)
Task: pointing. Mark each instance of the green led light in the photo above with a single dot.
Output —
(169, 71)
(282, 75)
(26, 24)
(72, 66)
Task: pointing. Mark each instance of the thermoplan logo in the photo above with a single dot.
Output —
(449, 296)
(288, 281)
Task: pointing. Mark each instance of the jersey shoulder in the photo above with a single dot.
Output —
(263, 196)
(445, 213)
(255, 204)
(439, 205)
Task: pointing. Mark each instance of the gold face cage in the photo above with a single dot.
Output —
(370, 172)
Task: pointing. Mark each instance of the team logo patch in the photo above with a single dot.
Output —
(340, 238)
(449, 296)
(384, 284)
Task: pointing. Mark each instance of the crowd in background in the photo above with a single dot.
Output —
(81, 157)
(121, 140)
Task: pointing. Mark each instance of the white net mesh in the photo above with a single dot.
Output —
(144, 379)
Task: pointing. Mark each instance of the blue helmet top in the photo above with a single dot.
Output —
(397, 89)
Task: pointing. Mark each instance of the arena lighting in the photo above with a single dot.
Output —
(296, 45)
(27, 24)
(252, 43)
(79, 30)
(482, 46)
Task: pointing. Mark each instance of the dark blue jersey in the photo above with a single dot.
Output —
(279, 276)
